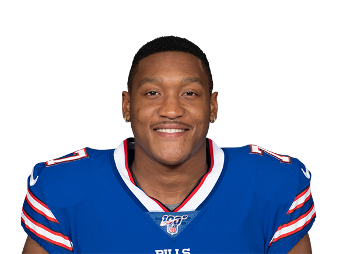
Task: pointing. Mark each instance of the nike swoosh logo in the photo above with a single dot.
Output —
(32, 181)
(306, 173)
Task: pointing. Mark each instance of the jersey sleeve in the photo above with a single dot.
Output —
(38, 221)
(298, 219)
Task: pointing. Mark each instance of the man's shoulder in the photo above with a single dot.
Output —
(68, 177)
(275, 176)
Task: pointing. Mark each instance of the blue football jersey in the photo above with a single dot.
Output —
(251, 200)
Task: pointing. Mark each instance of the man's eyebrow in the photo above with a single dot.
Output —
(158, 80)
(193, 80)
(149, 80)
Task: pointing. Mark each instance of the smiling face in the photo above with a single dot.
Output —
(170, 107)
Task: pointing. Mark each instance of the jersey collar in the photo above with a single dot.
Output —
(199, 195)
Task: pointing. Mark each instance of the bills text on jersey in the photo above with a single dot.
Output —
(176, 251)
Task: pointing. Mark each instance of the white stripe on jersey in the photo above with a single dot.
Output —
(41, 232)
(45, 211)
(298, 225)
(300, 200)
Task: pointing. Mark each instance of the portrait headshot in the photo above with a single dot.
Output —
(155, 127)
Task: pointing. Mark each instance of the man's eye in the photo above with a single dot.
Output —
(190, 93)
(152, 93)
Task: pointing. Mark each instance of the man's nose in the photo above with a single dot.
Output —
(171, 107)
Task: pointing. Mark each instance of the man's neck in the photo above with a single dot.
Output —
(170, 184)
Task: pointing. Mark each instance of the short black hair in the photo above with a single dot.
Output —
(169, 43)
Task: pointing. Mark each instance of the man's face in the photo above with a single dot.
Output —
(170, 106)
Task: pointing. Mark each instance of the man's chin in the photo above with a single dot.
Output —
(173, 159)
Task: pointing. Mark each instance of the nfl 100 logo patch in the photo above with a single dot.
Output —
(172, 223)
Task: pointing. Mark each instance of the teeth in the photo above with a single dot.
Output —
(170, 130)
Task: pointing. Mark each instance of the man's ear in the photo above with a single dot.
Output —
(126, 106)
(213, 106)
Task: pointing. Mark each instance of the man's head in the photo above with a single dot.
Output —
(169, 43)
(169, 102)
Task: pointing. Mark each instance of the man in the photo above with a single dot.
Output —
(169, 190)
